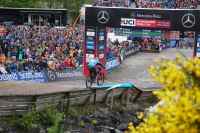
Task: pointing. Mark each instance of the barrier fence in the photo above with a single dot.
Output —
(128, 51)
(20, 104)
(69, 73)
(49, 75)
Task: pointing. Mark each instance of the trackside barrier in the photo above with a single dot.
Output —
(131, 50)
(20, 104)
(44, 76)
(112, 63)
(68, 73)
(32, 76)
(49, 76)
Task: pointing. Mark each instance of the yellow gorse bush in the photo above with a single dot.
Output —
(180, 112)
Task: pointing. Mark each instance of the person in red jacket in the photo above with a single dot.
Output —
(69, 62)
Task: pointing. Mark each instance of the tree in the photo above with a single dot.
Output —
(18, 3)
(180, 108)
(72, 5)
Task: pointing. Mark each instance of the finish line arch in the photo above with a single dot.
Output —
(98, 18)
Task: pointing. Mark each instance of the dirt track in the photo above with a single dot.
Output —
(133, 69)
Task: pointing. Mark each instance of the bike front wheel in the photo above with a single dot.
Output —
(100, 79)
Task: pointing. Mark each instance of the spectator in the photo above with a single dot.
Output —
(2, 69)
(191, 4)
(28, 48)
(2, 58)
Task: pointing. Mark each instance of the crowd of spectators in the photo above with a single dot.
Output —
(26, 48)
(112, 3)
(152, 3)
(190, 4)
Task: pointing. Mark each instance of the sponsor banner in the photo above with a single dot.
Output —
(6, 77)
(33, 76)
(146, 23)
(90, 32)
(64, 75)
(180, 19)
(152, 23)
(198, 47)
(146, 33)
(49, 76)
(68, 75)
(149, 16)
(42, 76)
(128, 22)
(112, 64)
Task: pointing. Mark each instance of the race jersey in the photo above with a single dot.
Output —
(92, 63)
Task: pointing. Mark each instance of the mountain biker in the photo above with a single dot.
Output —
(94, 67)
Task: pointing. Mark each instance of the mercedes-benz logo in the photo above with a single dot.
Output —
(188, 20)
(103, 17)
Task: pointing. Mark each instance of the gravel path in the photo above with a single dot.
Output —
(135, 69)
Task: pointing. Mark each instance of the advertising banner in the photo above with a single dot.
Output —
(101, 45)
(49, 76)
(8, 77)
(146, 33)
(198, 47)
(152, 23)
(112, 64)
(33, 76)
(45, 76)
(89, 48)
(178, 19)
(63, 75)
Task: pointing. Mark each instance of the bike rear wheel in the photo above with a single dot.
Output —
(88, 82)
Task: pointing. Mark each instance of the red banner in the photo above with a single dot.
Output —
(152, 23)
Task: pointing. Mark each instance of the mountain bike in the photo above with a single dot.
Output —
(99, 78)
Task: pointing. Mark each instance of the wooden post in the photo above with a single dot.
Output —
(127, 98)
(33, 106)
(68, 102)
(137, 96)
(122, 97)
(61, 104)
(95, 96)
(112, 99)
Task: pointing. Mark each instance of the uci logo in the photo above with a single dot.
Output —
(127, 22)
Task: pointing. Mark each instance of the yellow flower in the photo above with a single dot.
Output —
(180, 111)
